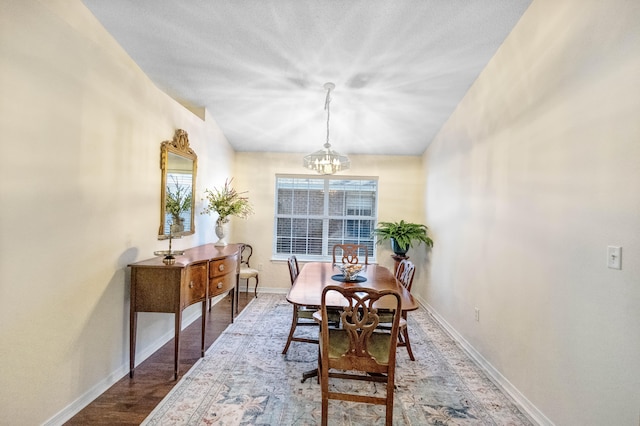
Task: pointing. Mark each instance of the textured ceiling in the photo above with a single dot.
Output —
(258, 66)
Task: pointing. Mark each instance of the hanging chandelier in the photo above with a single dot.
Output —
(327, 161)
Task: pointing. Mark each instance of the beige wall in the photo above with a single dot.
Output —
(400, 197)
(534, 175)
(523, 189)
(81, 129)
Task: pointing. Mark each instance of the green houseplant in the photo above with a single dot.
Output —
(226, 202)
(178, 200)
(402, 235)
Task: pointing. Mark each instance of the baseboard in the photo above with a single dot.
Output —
(275, 290)
(85, 399)
(502, 382)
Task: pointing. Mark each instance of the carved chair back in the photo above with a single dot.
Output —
(294, 270)
(348, 253)
(245, 255)
(405, 272)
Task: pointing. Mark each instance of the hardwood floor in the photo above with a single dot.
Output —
(129, 401)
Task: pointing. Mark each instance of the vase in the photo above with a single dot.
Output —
(220, 234)
(177, 225)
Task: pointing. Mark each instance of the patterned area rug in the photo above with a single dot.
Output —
(245, 380)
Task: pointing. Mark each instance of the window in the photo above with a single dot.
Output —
(314, 214)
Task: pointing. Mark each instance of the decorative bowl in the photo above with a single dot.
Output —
(350, 271)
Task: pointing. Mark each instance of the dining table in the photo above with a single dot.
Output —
(315, 276)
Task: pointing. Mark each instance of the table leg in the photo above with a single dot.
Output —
(308, 374)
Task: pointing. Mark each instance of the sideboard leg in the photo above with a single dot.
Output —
(176, 355)
(234, 302)
(204, 325)
(132, 340)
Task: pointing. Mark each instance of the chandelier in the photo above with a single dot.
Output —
(327, 161)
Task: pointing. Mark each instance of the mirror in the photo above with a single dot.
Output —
(177, 200)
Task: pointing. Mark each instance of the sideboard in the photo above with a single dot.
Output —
(196, 276)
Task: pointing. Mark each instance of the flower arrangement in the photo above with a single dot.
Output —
(226, 202)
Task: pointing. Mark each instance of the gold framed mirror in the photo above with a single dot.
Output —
(179, 164)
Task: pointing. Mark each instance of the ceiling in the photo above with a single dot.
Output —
(259, 66)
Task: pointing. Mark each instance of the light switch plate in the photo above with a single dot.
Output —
(614, 257)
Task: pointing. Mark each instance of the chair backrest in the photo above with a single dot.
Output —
(245, 254)
(348, 253)
(405, 272)
(366, 350)
(294, 270)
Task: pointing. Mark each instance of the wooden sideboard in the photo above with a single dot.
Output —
(200, 274)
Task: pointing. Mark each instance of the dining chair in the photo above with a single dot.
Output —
(404, 275)
(246, 271)
(358, 350)
(302, 315)
(348, 253)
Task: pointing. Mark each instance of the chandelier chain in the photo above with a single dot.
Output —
(327, 103)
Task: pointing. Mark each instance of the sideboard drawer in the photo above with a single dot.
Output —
(219, 285)
(224, 266)
(196, 283)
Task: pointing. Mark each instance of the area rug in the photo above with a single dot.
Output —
(245, 380)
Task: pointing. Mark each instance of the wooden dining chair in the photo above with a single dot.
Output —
(302, 315)
(358, 350)
(246, 271)
(349, 253)
(404, 275)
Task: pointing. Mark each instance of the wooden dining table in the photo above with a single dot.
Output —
(315, 276)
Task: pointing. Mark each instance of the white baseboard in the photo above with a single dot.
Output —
(261, 289)
(502, 382)
(85, 399)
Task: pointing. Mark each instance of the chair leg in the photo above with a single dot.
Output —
(389, 410)
(323, 378)
(407, 343)
(255, 289)
(294, 322)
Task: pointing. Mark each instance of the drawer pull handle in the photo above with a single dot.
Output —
(219, 284)
(221, 267)
(191, 284)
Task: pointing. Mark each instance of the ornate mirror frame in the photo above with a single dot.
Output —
(175, 158)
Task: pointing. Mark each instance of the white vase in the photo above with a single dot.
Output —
(220, 234)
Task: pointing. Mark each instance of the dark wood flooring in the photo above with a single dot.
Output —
(130, 400)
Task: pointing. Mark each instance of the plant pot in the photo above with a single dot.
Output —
(396, 248)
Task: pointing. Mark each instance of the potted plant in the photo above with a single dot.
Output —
(178, 201)
(402, 235)
(226, 202)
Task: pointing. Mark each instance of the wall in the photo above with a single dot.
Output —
(532, 177)
(400, 192)
(81, 130)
